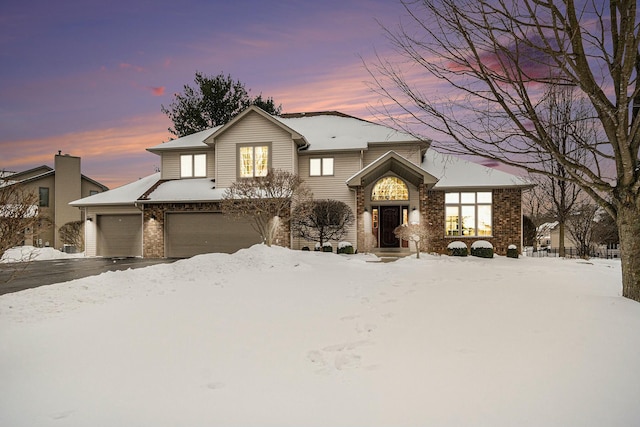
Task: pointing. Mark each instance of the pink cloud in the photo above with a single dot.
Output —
(106, 152)
(156, 90)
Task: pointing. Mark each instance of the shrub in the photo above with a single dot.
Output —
(345, 248)
(457, 248)
(512, 251)
(482, 249)
(306, 248)
(326, 247)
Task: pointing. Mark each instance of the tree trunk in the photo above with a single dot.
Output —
(561, 243)
(629, 231)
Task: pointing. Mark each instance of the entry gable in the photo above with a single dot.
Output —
(392, 161)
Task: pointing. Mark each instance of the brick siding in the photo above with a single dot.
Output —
(507, 221)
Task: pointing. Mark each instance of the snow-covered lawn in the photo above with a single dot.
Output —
(272, 337)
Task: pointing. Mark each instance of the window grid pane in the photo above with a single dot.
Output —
(262, 161)
(327, 166)
(314, 167)
(451, 221)
(186, 166)
(484, 220)
(200, 165)
(246, 162)
(468, 220)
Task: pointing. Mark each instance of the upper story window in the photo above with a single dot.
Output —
(321, 166)
(468, 213)
(390, 188)
(254, 161)
(193, 165)
(43, 193)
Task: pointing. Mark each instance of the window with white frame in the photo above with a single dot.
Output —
(253, 161)
(321, 166)
(468, 213)
(193, 165)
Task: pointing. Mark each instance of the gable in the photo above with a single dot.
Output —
(252, 129)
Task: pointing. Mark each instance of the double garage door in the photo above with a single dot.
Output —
(119, 235)
(188, 234)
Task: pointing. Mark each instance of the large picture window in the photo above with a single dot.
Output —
(321, 166)
(468, 213)
(193, 165)
(254, 161)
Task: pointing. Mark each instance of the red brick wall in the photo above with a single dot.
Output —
(507, 221)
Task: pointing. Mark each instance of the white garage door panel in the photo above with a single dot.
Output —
(189, 234)
(119, 235)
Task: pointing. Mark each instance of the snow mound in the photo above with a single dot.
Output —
(31, 253)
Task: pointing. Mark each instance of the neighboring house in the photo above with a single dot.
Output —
(55, 187)
(386, 177)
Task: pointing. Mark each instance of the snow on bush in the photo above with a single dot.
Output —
(457, 245)
(481, 244)
(482, 249)
(457, 248)
(344, 245)
(512, 247)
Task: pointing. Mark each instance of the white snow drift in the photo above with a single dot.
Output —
(273, 337)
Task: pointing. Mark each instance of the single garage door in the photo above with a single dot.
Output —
(191, 233)
(119, 235)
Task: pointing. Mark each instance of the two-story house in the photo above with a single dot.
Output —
(55, 187)
(386, 177)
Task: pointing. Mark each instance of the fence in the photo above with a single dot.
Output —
(600, 252)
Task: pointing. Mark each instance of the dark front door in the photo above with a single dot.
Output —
(389, 220)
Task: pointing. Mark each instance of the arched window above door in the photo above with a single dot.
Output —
(390, 188)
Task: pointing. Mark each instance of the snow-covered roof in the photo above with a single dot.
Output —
(184, 190)
(455, 172)
(127, 194)
(340, 132)
(193, 141)
(323, 131)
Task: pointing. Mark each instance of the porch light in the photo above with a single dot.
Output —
(153, 217)
(89, 219)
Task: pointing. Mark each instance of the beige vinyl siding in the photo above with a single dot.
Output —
(170, 165)
(333, 187)
(409, 151)
(87, 187)
(252, 129)
(90, 226)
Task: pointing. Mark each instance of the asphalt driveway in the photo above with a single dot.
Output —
(40, 273)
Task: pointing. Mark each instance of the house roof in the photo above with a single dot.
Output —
(184, 190)
(319, 131)
(127, 194)
(194, 141)
(455, 172)
(44, 171)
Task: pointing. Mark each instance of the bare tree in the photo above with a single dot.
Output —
(494, 60)
(322, 220)
(266, 200)
(418, 233)
(581, 225)
(72, 233)
(19, 218)
(570, 127)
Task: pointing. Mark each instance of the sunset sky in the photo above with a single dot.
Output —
(89, 77)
